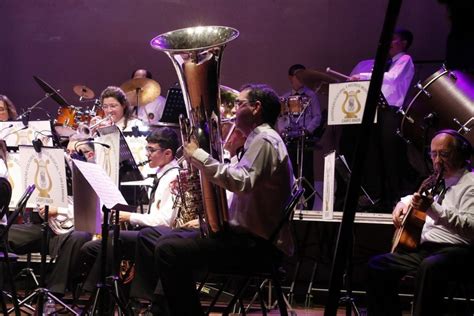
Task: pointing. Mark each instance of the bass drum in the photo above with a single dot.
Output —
(445, 100)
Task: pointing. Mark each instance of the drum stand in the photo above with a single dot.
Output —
(103, 290)
(42, 293)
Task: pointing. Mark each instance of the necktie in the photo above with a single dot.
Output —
(388, 64)
(152, 193)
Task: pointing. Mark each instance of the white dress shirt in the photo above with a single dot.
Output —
(261, 182)
(151, 113)
(397, 80)
(452, 221)
(161, 211)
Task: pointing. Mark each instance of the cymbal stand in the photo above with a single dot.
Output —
(103, 290)
(42, 293)
(299, 158)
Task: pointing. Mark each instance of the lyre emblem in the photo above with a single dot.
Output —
(351, 105)
(43, 180)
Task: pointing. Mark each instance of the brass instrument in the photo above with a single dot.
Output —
(85, 129)
(196, 53)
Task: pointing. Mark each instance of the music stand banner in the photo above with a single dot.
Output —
(346, 102)
(14, 176)
(109, 158)
(15, 133)
(46, 170)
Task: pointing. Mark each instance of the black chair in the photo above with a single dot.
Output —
(272, 274)
(5, 257)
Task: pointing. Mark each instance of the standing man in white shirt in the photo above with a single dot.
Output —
(388, 167)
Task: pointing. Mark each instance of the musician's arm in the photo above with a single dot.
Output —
(459, 218)
(400, 210)
(242, 176)
(162, 212)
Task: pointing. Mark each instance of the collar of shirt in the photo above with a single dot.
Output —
(300, 91)
(455, 178)
(169, 165)
(257, 130)
(397, 57)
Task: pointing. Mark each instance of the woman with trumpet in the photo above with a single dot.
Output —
(117, 112)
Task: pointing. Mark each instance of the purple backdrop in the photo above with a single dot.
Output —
(99, 42)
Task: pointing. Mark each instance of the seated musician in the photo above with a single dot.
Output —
(264, 168)
(150, 113)
(290, 125)
(446, 250)
(116, 106)
(64, 242)
(7, 109)
(161, 150)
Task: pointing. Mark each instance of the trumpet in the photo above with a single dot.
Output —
(87, 129)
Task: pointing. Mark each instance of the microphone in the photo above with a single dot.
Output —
(91, 140)
(7, 127)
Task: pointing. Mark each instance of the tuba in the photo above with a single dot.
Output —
(196, 53)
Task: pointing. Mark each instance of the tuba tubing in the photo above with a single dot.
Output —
(196, 53)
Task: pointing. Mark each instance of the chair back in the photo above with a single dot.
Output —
(5, 196)
(287, 213)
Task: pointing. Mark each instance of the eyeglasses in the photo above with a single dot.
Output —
(111, 106)
(240, 103)
(151, 150)
(442, 154)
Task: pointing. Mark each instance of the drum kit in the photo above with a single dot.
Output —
(444, 100)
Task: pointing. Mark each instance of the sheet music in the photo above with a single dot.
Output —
(101, 183)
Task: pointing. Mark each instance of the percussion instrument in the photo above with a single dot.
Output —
(65, 122)
(317, 80)
(54, 93)
(83, 91)
(444, 100)
(141, 91)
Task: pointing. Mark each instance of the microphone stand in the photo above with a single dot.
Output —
(25, 116)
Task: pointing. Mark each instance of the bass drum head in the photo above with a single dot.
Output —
(445, 100)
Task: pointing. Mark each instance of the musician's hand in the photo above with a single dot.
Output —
(190, 147)
(354, 78)
(398, 213)
(194, 223)
(124, 217)
(421, 202)
(52, 212)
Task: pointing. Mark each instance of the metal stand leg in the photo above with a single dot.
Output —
(42, 293)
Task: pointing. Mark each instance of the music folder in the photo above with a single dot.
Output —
(92, 188)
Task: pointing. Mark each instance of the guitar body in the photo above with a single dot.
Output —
(407, 237)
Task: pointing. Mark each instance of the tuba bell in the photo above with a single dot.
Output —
(196, 53)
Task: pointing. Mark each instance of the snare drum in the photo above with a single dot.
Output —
(65, 122)
(445, 100)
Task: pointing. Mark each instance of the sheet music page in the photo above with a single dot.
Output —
(101, 183)
(328, 193)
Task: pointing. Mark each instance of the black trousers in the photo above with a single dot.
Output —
(90, 256)
(177, 259)
(26, 238)
(433, 266)
(145, 283)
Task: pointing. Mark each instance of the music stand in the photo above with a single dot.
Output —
(174, 106)
(86, 177)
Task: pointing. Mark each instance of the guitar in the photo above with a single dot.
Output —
(407, 236)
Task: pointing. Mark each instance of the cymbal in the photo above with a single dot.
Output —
(54, 93)
(146, 89)
(315, 79)
(83, 91)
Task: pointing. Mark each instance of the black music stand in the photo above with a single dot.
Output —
(85, 177)
(174, 106)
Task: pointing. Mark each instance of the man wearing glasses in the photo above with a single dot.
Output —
(446, 250)
(261, 182)
(161, 150)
